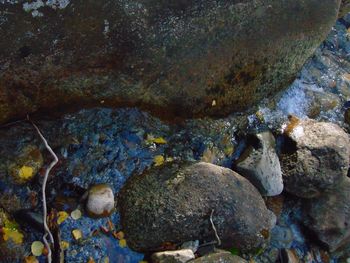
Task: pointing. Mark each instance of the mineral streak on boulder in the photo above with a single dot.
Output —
(169, 57)
(173, 203)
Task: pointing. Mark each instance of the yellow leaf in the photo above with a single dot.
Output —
(64, 245)
(13, 234)
(30, 259)
(62, 216)
(91, 260)
(143, 261)
(122, 243)
(77, 234)
(26, 172)
(158, 160)
(37, 248)
(160, 140)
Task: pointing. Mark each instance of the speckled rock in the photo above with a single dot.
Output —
(316, 157)
(173, 203)
(259, 163)
(219, 256)
(176, 256)
(173, 58)
(328, 216)
(100, 200)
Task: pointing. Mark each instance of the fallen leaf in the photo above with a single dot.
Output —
(77, 234)
(158, 160)
(61, 217)
(37, 248)
(26, 172)
(30, 259)
(122, 243)
(76, 214)
(64, 245)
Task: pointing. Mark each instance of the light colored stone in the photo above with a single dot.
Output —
(193, 245)
(100, 200)
(315, 157)
(260, 164)
(176, 256)
(219, 256)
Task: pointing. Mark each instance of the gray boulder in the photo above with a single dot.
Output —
(316, 157)
(328, 216)
(185, 58)
(259, 163)
(174, 203)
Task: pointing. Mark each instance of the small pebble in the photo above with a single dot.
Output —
(100, 202)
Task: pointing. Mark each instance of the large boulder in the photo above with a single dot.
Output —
(176, 203)
(328, 216)
(186, 58)
(315, 158)
(259, 163)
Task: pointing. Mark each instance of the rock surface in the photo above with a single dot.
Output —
(100, 200)
(171, 58)
(344, 7)
(176, 256)
(259, 163)
(219, 256)
(174, 203)
(316, 157)
(328, 216)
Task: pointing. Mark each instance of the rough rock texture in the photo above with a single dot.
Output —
(176, 256)
(219, 256)
(259, 163)
(344, 7)
(329, 216)
(174, 203)
(174, 58)
(316, 157)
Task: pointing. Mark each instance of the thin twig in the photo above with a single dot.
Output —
(47, 172)
(214, 228)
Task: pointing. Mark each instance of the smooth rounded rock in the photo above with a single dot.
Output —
(175, 58)
(176, 202)
(176, 256)
(100, 201)
(315, 158)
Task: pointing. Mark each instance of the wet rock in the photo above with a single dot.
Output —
(26, 165)
(315, 158)
(193, 245)
(289, 256)
(170, 58)
(176, 256)
(173, 204)
(347, 116)
(219, 256)
(328, 216)
(259, 163)
(100, 200)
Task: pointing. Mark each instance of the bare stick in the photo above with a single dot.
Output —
(214, 228)
(47, 172)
